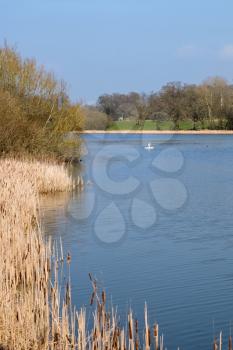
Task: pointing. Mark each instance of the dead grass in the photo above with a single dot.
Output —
(29, 301)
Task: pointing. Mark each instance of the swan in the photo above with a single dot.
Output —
(149, 146)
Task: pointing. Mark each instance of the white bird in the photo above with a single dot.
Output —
(149, 146)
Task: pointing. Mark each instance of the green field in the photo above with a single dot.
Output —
(155, 125)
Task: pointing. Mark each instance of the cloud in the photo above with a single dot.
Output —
(226, 52)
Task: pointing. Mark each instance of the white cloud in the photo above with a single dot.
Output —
(226, 52)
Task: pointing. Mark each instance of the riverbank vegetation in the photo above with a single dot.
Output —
(175, 106)
(35, 110)
(29, 299)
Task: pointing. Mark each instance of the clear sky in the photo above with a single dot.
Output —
(104, 46)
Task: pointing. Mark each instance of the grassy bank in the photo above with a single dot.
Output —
(184, 125)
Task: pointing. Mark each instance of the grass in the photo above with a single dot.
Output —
(147, 125)
(31, 313)
(160, 125)
(124, 125)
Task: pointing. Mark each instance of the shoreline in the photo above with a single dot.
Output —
(160, 132)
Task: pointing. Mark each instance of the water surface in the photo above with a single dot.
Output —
(182, 264)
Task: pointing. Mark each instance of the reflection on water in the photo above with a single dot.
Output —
(53, 209)
(179, 261)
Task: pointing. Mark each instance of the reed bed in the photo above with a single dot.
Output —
(33, 315)
(45, 177)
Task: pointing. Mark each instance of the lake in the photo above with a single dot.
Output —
(156, 226)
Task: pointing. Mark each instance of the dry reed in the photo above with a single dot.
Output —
(30, 312)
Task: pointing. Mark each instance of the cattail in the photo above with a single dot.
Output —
(68, 258)
(103, 297)
(56, 337)
(215, 344)
(130, 331)
(230, 343)
(92, 298)
(147, 331)
(149, 337)
(156, 336)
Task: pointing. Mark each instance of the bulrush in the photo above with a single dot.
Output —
(31, 315)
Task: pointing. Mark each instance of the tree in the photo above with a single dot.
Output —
(95, 120)
(35, 110)
(207, 105)
(172, 98)
(108, 105)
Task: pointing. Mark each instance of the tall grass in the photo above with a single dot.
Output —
(32, 313)
(29, 300)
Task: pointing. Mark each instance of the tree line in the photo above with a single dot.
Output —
(207, 106)
(35, 110)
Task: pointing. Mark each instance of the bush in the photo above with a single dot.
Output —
(35, 111)
(95, 120)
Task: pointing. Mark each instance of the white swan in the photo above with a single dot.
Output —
(149, 146)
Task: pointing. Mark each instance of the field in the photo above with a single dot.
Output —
(157, 125)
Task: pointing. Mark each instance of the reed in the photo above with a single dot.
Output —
(33, 315)
(45, 177)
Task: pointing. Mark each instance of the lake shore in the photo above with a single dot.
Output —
(158, 132)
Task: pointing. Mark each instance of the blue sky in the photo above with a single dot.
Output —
(105, 46)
